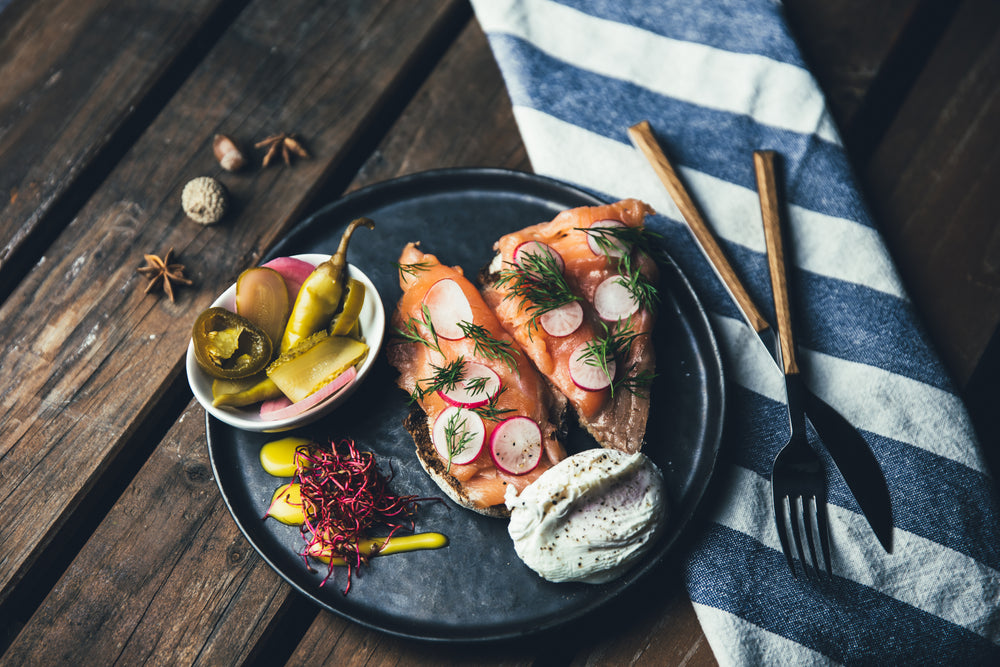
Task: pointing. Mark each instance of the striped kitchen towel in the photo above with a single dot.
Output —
(718, 79)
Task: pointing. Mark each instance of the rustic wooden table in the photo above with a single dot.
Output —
(116, 546)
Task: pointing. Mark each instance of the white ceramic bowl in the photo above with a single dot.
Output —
(372, 322)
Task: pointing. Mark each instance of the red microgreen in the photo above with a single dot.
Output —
(345, 499)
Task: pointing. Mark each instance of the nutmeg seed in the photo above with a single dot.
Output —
(204, 199)
(228, 153)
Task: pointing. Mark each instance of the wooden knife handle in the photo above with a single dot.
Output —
(763, 162)
(642, 136)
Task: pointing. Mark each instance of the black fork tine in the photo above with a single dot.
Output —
(793, 504)
(809, 518)
(782, 525)
(823, 527)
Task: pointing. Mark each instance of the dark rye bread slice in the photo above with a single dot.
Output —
(417, 424)
(437, 469)
(621, 423)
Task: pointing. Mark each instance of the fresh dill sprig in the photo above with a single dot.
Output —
(476, 385)
(456, 436)
(411, 332)
(411, 269)
(489, 347)
(643, 291)
(619, 238)
(539, 283)
(614, 344)
(636, 383)
(489, 411)
(444, 378)
(618, 241)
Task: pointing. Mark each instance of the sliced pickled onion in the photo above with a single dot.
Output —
(294, 271)
(479, 384)
(458, 435)
(281, 408)
(613, 300)
(616, 247)
(586, 373)
(537, 248)
(516, 445)
(562, 321)
(448, 306)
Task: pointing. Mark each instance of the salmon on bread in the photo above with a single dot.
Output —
(578, 294)
(483, 418)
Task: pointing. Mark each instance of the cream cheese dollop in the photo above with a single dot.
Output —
(589, 517)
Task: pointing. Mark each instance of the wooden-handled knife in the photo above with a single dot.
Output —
(849, 450)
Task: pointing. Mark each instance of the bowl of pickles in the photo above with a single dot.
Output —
(287, 343)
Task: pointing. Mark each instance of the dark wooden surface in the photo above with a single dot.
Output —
(116, 546)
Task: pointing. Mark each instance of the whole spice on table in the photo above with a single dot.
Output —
(228, 154)
(161, 272)
(283, 143)
(204, 199)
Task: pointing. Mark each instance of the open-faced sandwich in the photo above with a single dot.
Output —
(483, 419)
(578, 295)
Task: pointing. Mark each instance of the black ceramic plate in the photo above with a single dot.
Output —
(476, 588)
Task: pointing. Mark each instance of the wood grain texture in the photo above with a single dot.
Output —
(933, 184)
(166, 579)
(461, 117)
(659, 629)
(642, 136)
(770, 211)
(333, 641)
(78, 382)
(73, 75)
(846, 44)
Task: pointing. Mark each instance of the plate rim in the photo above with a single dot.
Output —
(446, 179)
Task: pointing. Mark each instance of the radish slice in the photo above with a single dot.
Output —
(479, 384)
(460, 433)
(516, 445)
(537, 248)
(282, 408)
(618, 247)
(613, 300)
(586, 374)
(562, 321)
(448, 306)
(294, 271)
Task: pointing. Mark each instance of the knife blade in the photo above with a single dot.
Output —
(850, 452)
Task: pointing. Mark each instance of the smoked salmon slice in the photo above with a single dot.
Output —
(578, 294)
(484, 418)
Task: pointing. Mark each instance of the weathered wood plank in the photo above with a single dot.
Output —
(655, 627)
(461, 117)
(933, 184)
(846, 43)
(334, 641)
(866, 56)
(196, 589)
(154, 585)
(87, 354)
(73, 75)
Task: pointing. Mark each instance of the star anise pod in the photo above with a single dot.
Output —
(161, 271)
(282, 143)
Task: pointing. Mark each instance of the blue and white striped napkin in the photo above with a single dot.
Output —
(718, 79)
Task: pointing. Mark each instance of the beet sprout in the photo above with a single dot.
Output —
(345, 498)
